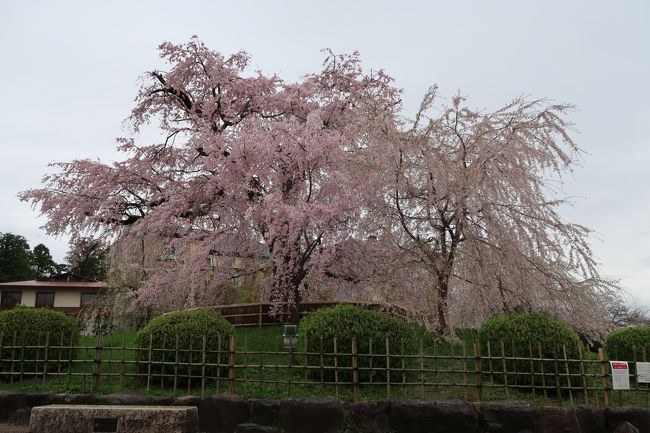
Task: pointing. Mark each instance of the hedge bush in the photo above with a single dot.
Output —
(183, 329)
(346, 321)
(628, 343)
(526, 333)
(37, 327)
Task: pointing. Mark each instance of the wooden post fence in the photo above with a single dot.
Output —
(355, 371)
(231, 365)
(603, 371)
(350, 368)
(97, 364)
(477, 369)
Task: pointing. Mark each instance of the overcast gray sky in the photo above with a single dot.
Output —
(69, 69)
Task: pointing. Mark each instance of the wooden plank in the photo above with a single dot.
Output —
(603, 373)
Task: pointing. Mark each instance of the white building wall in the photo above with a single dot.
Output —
(62, 298)
(28, 298)
(67, 298)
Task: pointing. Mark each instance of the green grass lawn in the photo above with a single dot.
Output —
(265, 369)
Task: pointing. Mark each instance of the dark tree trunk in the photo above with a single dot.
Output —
(287, 297)
(442, 308)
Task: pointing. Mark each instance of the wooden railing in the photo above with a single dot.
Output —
(260, 314)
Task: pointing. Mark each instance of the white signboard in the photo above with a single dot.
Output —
(620, 375)
(643, 372)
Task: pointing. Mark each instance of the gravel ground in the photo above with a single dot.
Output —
(14, 428)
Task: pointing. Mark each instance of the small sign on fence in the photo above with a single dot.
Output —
(643, 372)
(620, 374)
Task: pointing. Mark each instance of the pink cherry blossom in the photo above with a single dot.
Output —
(326, 188)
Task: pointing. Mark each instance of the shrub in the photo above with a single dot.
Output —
(53, 332)
(628, 343)
(524, 334)
(346, 321)
(184, 330)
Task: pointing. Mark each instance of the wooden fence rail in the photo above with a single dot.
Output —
(355, 369)
(260, 314)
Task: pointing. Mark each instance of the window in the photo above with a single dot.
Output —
(10, 299)
(87, 298)
(45, 299)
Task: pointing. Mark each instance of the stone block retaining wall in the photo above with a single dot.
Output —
(231, 414)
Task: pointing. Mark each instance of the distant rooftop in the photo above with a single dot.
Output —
(66, 280)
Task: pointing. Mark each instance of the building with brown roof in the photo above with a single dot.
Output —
(64, 292)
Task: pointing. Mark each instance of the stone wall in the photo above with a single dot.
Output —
(228, 413)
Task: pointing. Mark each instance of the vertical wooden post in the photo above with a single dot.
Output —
(568, 373)
(97, 363)
(110, 346)
(84, 366)
(322, 369)
(647, 402)
(58, 367)
(541, 367)
(149, 361)
(122, 361)
(532, 369)
(22, 359)
(260, 316)
(45, 355)
(514, 365)
(636, 379)
(465, 386)
(260, 372)
(163, 349)
(304, 358)
(603, 374)
(421, 370)
(246, 359)
(355, 371)
(231, 365)
(38, 352)
(370, 361)
(176, 365)
(139, 351)
(453, 367)
(489, 355)
(477, 369)
(584, 376)
(435, 365)
(67, 380)
(203, 355)
(219, 363)
(558, 386)
(403, 363)
(387, 368)
(189, 365)
(505, 369)
(336, 369)
(289, 370)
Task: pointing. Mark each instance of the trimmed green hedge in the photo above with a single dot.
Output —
(43, 327)
(626, 343)
(343, 322)
(184, 330)
(523, 334)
